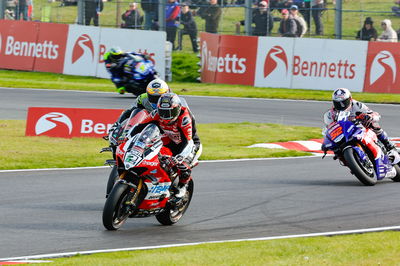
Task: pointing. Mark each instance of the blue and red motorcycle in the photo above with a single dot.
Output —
(359, 149)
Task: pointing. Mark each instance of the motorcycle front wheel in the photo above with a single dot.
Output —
(112, 178)
(172, 214)
(115, 211)
(364, 171)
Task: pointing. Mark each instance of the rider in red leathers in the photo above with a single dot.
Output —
(179, 135)
(342, 101)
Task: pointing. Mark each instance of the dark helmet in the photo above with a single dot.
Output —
(169, 107)
(341, 99)
(114, 54)
(155, 89)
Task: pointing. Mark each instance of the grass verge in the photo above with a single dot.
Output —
(21, 79)
(338, 250)
(220, 141)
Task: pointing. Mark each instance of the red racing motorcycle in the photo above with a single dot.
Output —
(147, 181)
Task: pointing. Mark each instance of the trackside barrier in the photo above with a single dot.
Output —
(72, 49)
(70, 122)
(297, 63)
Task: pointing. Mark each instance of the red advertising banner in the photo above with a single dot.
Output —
(236, 62)
(26, 45)
(50, 47)
(209, 44)
(383, 68)
(70, 122)
(18, 44)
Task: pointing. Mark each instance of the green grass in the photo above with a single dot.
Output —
(21, 79)
(21, 152)
(366, 249)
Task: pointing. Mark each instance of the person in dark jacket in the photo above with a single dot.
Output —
(172, 11)
(212, 15)
(262, 19)
(189, 27)
(93, 9)
(288, 27)
(367, 32)
(132, 17)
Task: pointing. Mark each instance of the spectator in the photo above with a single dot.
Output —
(396, 9)
(288, 26)
(11, 7)
(22, 8)
(300, 22)
(317, 8)
(262, 19)
(211, 13)
(388, 34)
(93, 9)
(132, 17)
(189, 28)
(172, 11)
(150, 8)
(305, 10)
(367, 32)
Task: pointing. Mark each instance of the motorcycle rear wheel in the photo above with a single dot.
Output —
(115, 211)
(172, 214)
(397, 177)
(365, 174)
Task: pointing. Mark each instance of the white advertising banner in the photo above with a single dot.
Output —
(82, 53)
(327, 64)
(274, 62)
(151, 43)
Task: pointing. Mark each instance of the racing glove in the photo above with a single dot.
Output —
(366, 119)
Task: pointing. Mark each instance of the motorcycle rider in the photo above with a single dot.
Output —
(147, 100)
(116, 60)
(179, 135)
(343, 101)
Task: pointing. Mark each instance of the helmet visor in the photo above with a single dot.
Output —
(342, 105)
(168, 114)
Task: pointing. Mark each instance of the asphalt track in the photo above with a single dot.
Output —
(60, 210)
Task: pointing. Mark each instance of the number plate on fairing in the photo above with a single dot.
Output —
(336, 133)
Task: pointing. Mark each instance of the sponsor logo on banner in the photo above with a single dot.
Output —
(383, 73)
(70, 122)
(83, 45)
(54, 121)
(275, 57)
(292, 64)
(0, 43)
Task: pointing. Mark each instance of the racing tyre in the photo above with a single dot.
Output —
(172, 214)
(397, 177)
(112, 179)
(364, 171)
(115, 211)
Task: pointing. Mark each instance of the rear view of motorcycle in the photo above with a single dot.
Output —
(359, 149)
(147, 180)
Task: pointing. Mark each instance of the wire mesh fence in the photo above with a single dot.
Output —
(119, 13)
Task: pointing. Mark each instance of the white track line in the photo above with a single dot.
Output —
(201, 162)
(333, 233)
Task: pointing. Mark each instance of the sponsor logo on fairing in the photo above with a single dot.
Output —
(53, 121)
(383, 66)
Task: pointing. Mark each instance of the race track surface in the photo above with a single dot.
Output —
(60, 210)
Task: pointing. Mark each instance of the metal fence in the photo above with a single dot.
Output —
(110, 13)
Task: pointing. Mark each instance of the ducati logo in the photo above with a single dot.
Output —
(383, 66)
(276, 58)
(83, 47)
(53, 121)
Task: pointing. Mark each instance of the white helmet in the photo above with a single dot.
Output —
(341, 98)
(155, 89)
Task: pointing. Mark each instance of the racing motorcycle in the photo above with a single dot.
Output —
(359, 149)
(137, 73)
(147, 182)
(115, 137)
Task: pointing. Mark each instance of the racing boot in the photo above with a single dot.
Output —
(383, 137)
(121, 90)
